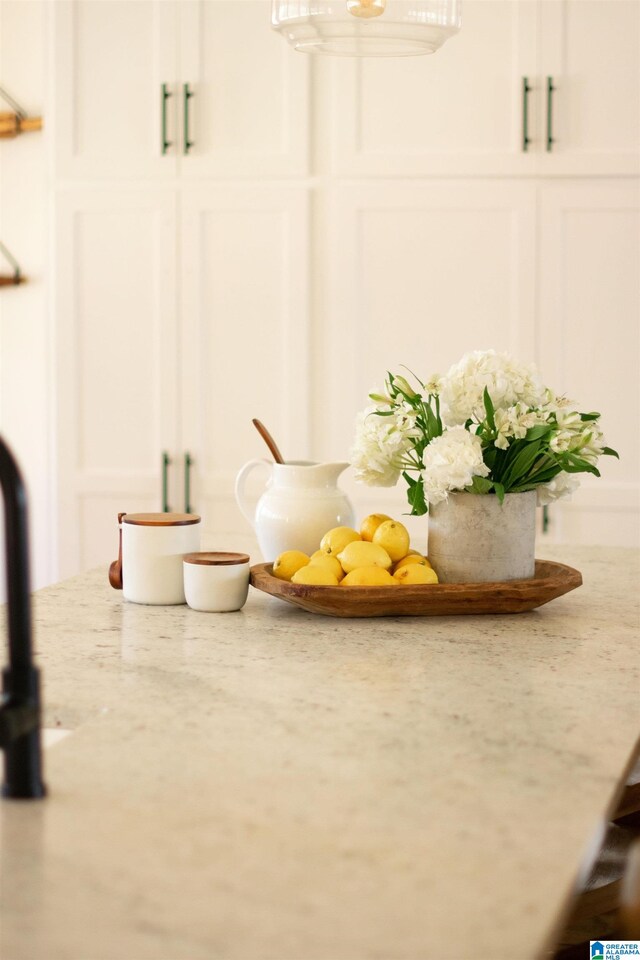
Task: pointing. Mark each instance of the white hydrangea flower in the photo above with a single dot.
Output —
(381, 445)
(507, 380)
(451, 461)
(562, 485)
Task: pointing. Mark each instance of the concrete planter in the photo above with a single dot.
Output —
(474, 537)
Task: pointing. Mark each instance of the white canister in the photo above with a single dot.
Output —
(153, 545)
(216, 582)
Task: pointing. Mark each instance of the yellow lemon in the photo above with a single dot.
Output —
(411, 558)
(361, 553)
(337, 538)
(288, 563)
(371, 523)
(393, 537)
(328, 561)
(415, 573)
(368, 577)
(315, 575)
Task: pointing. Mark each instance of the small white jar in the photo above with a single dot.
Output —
(216, 582)
(153, 545)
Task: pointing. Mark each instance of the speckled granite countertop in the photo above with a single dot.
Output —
(275, 785)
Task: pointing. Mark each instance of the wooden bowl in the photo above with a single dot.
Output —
(550, 580)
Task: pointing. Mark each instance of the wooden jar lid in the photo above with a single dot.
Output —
(161, 519)
(216, 559)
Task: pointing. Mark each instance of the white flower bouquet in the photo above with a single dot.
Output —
(489, 426)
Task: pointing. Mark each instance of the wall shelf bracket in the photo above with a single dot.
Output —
(16, 277)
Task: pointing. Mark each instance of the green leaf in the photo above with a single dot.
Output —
(499, 491)
(520, 462)
(537, 432)
(488, 406)
(480, 485)
(415, 496)
(589, 416)
(574, 464)
(609, 452)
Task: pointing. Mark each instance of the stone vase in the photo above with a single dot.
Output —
(473, 537)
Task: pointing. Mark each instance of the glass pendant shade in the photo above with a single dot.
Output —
(366, 28)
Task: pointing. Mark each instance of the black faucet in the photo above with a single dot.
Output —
(20, 702)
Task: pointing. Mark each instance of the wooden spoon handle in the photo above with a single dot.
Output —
(268, 439)
(115, 570)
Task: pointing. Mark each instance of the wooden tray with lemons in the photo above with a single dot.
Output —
(374, 573)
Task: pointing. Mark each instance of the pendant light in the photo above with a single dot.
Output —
(366, 28)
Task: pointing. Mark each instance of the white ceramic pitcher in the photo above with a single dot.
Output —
(302, 501)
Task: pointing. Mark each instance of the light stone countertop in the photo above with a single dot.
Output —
(276, 785)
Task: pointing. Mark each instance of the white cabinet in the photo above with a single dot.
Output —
(117, 339)
(154, 88)
(182, 297)
(591, 55)
(109, 63)
(466, 111)
(546, 270)
(251, 277)
(456, 112)
(179, 320)
(245, 334)
(423, 273)
(589, 308)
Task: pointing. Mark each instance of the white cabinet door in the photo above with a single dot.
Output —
(116, 358)
(418, 275)
(590, 343)
(248, 113)
(245, 334)
(110, 61)
(591, 52)
(459, 111)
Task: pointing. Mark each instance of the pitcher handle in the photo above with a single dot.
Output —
(241, 480)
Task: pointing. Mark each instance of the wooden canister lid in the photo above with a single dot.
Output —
(216, 558)
(161, 519)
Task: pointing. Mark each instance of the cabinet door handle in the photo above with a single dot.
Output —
(166, 93)
(526, 90)
(187, 96)
(550, 91)
(166, 460)
(187, 483)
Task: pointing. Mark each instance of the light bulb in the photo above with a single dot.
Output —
(366, 8)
